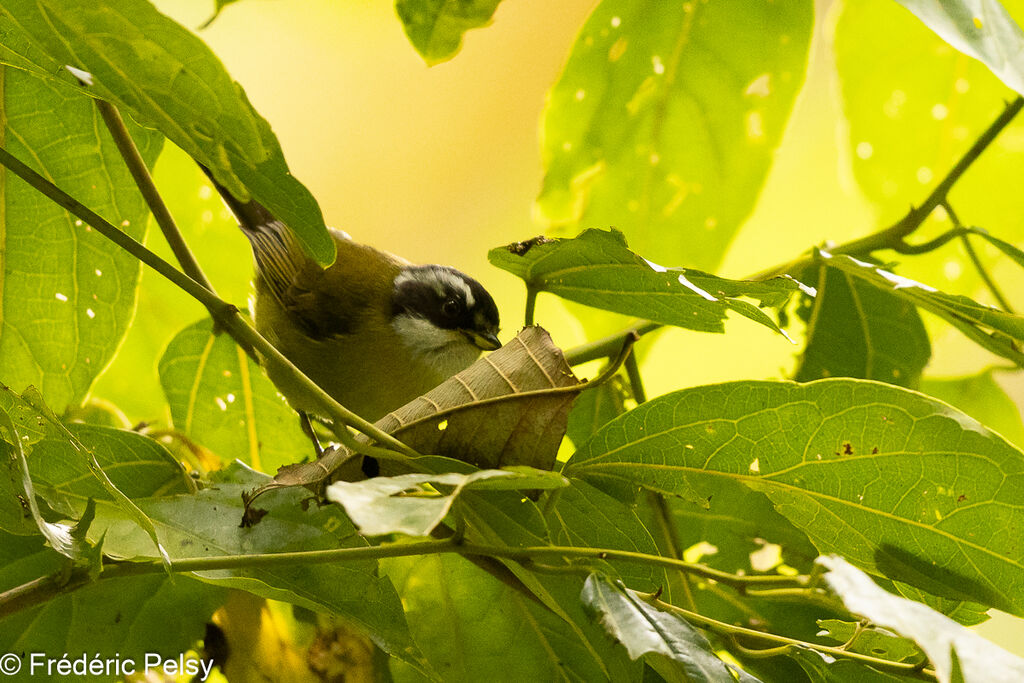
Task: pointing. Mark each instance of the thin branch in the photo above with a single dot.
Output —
(734, 631)
(48, 587)
(930, 245)
(893, 237)
(222, 312)
(983, 272)
(144, 181)
(890, 237)
(973, 255)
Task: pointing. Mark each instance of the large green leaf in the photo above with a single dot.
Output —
(207, 523)
(435, 27)
(137, 465)
(474, 628)
(505, 519)
(1000, 332)
(168, 79)
(585, 516)
(948, 645)
(66, 295)
(657, 128)
(982, 29)
(857, 330)
(597, 269)
(115, 618)
(88, 460)
(901, 484)
(221, 399)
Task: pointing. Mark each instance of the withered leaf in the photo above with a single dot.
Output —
(509, 408)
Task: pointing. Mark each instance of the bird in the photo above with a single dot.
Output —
(372, 329)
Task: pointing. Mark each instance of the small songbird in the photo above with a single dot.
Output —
(373, 330)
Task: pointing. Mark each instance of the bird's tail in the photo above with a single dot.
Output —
(278, 254)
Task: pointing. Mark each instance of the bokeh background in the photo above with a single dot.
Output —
(441, 164)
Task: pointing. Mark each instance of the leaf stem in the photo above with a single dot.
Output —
(636, 382)
(983, 272)
(222, 312)
(531, 305)
(607, 347)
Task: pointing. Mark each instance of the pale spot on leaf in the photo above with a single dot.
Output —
(760, 86)
(767, 557)
(755, 126)
(699, 550)
(617, 49)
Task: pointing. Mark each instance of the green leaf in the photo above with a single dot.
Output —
(865, 469)
(597, 269)
(584, 516)
(982, 29)
(980, 660)
(675, 649)
(401, 504)
(981, 397)
(138, 466)
(435, 27)
(871, 641)
(66, 294)
(960, 611)
(207, 524)
(1000, 332)
(823, 668)
(123, 618)
(474, 628)
(75, 456)
(737, 521)
(168, 79)
(505, 519)
(60, 536)
(1003, 246)
(657, 130)
(858, 330)
(222, 400)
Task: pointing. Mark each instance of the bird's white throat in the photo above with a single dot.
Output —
(447, 352)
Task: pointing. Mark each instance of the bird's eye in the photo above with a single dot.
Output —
(450, 308)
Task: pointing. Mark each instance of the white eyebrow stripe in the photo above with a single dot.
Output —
(437, 278)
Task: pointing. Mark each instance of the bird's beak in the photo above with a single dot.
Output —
(488, 341)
